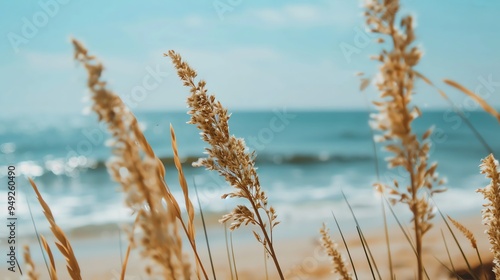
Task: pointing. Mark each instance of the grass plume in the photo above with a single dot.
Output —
(396, 114)
(491, 210)
(141, 175)
(228, 156)
(470, 236)
(161, 223)
(205, 230)
(331, 249)
(52, 269)
(465, 231)
(448, 253)
(62, 243)
(346, 247)
(31, 272)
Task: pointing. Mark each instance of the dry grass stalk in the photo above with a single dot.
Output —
(330, 248)
(476, 98)
(491, 210)
(396, 114)
(31, 275)
(131, 244)
(62, 243)
(228, 156)
(141, 175)
(52, 272)
(470, 236)
(184, 186)
(125, 262)
(465, 231)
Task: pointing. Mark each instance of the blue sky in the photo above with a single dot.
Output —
(254, 54)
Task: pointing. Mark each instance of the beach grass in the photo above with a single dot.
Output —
(165, 236)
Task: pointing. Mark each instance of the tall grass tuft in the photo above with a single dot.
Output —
(470, 236)
(396, 114)
(62, 243)
(52, 268)
(491, 210)
(141, 175)
(31, 271)
(228, 156)
(331, 249)
(465, 231)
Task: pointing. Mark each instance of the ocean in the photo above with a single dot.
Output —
(305, 161)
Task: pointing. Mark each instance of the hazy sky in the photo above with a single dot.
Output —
(254, 54)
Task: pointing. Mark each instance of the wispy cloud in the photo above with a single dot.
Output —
(262, 77)
(290, 14)
(321, 13)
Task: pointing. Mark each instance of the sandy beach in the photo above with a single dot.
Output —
(301, 256)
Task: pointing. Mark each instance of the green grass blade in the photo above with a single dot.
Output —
(449, 256)
(447, 268)
(456, 240)
(457, 111)
(366, 253)
(204, 229)
(38, 239)
(232, 254)
(228, 252)
(265, 264)
(363, 240)
(346, 247)
(386, 233)
(480, 263)
(408, 238)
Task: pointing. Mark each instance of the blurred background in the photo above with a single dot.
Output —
(285, 69)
